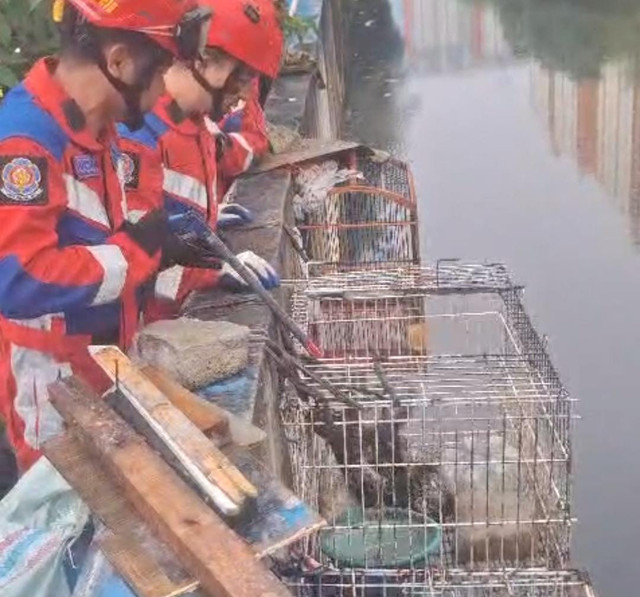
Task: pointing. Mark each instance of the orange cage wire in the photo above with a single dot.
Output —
(365, 224)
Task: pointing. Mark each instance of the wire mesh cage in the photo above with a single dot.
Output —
(389, 174)
(458, 456)
(383, 583)
(364, 224)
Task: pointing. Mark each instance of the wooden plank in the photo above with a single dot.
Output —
(310, 149)
(277, 517)
(210, 470)
(146, 563)
(117, 549)
(224, 564)
(205, 416)
(238, 431)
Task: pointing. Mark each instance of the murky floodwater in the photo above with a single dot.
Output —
(521, 119)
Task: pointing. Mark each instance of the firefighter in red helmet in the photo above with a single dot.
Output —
(71, 266)
(242, 131)
(182, 150)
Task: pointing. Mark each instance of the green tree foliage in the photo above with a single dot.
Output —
(27, 32)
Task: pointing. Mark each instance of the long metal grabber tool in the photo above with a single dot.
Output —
(288, 359)
(191, 222)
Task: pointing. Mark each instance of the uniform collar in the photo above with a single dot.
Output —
(169, 112)
(52, 97)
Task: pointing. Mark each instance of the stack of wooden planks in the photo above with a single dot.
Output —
(170, 529)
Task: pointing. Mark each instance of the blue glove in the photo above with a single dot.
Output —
(267, 276)
(232, 214)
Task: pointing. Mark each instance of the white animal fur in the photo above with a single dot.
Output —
(497, 493)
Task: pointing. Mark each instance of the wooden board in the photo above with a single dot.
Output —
(205, 416)
(210, 470)
(224, 564)
(146, 563)
(274, 519)
(238, 431)
(312, 149)
(277, 517)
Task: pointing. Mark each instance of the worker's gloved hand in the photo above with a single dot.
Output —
(184, 245)
(266, 275)
(151, 232)
(187, 252)
(232, 215)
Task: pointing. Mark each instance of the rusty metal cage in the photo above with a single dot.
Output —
(364, 224)
(459, 455)
(538, 583)
(387, 173)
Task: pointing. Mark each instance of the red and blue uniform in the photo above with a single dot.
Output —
(193, 160)
(69, 276)
(171, 162)
(243, 138)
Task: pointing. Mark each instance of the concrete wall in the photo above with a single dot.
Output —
(324, 108)
(312, 102)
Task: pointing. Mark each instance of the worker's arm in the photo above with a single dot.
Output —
(245, 137)
(37, 275)
(150, 184)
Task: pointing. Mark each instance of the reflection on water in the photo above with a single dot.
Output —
(597, 123)
(584, 76)
(573, 36)
(521, 119)
(443, 36)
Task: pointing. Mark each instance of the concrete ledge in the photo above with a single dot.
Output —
(255, 394)
(287, 103)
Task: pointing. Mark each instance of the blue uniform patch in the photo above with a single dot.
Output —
(86, 166)
(23, 180)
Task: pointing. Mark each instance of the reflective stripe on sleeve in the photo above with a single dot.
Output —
(85, 201)
(115, 267)
(185, 187)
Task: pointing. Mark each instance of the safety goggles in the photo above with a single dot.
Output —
(191, 34)
(241, 75)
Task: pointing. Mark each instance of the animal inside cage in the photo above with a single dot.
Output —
(384, 583)
(459, 455)
(360, 224)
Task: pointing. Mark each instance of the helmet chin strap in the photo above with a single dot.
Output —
(131, 94)
(88, 38)
(217, 96)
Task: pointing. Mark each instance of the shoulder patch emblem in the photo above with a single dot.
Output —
(23, 180)
(86, 166)
(130, 169)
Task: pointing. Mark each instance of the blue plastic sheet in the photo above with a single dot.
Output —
(39, 520)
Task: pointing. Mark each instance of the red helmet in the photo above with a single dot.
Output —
(177, 25)
(248, 30)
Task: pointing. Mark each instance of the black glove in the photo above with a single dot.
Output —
(151, 232)
(187, 253)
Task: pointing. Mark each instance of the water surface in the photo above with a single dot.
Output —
(521, 119)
